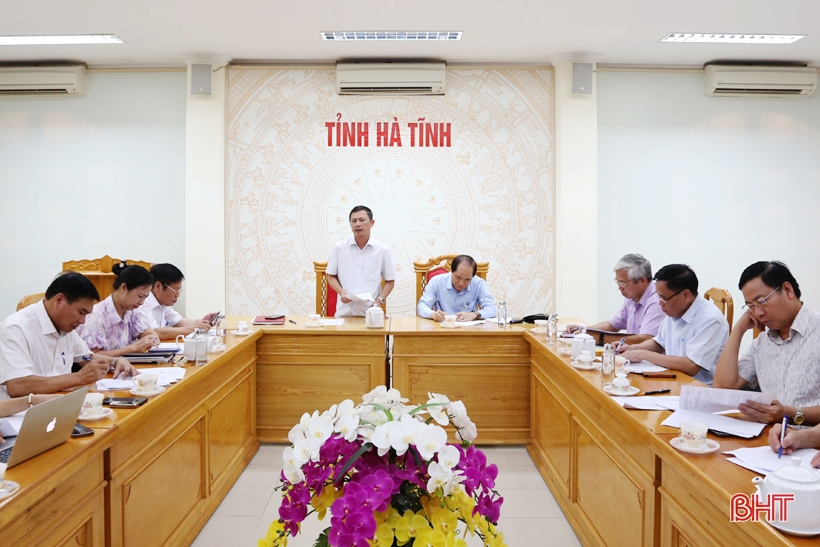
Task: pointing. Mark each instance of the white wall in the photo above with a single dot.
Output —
(81, 177)
(717, 183)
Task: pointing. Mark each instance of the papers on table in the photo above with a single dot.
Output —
(361, 297)
(10, 426)
(710, 399)
(738, 428)
(645, 366)
(763, 460)
(649, 402)
(167, 376)
(334, 322)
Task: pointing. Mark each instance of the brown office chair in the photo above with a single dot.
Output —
(98, 270)
(425, 271)
(325, 295)
(29, 300)
(723, 300)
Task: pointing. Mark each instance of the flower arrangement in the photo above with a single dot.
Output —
(388, 477)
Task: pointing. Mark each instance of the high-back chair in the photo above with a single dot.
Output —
(325, 295)
(98, 270)
(425, 271)
(723, 300)
(30, 299)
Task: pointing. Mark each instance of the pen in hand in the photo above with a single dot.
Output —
(782, 436)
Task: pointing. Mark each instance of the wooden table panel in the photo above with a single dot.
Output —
(231, 422)
(551, 424)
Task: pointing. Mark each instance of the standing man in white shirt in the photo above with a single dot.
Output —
(165, 320)
(39, 345)
(692, 335)
(358, 264)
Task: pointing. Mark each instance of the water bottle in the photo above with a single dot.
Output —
(502, 313)
(608, 367)
(553, 331)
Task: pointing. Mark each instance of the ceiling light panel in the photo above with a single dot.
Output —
(774, 39)
(76, 39)
(390, 36)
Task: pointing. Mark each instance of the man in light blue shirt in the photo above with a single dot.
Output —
(461, 294)
(692, 335)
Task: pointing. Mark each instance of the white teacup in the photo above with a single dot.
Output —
(693, 433)
(146, 382)
(541, 324)
(313, 318)
(92, 404)
(242, 327)
(585, 359)
(621, 384)
(621, 363)
(450, 319)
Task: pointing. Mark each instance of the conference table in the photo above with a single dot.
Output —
(155, 474)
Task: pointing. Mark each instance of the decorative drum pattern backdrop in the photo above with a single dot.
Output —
(484, 187)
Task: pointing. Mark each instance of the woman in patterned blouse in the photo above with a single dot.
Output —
(117, 326)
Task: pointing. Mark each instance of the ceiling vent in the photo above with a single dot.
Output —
(760, 81)
(390, 78)
(42, 80)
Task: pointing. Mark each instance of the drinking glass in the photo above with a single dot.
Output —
(608, 366)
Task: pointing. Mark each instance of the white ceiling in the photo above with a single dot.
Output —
(626, 32)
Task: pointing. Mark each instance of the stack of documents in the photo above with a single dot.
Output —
(167, 376)
(697, 404)
(644, 366)
(764, 460)
(738, 428)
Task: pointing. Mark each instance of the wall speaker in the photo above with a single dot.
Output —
(581, 78)
(201, 79)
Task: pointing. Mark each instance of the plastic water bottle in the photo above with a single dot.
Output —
(502, 313)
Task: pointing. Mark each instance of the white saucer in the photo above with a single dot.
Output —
(579, 366)
(539, 330)
(134, 391)
(446, 326)
(250, 331)
(8, 488)
(632, 391)
(98, 416)
(783, 527)
(705, 448)
(311, 324)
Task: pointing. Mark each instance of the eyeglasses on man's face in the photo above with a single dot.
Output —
(176, 292)
(666, 299)
(623, 284)
(759, 301)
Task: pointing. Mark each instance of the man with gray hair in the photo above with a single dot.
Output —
(640, 314)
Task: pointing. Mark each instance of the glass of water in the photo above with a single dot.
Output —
(608, 366)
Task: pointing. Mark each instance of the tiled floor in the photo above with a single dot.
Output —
(529, 517)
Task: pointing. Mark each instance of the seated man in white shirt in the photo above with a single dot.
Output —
(358, 264)
(461, 294)
(692, 335)
(165, 320)
(38, 345)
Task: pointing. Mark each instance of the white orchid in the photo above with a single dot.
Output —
(441, 477)
(430, 440)
(381, 437)
(449, 456)
(348, 426)
(466, 428)
(403, 435)
(346, 408)
(293, 473)
(456, 409)
(320, 429)
(438, 413)
(301, 452)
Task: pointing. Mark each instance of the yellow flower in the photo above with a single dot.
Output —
(453, 541)
(465, 505)
(444, 521)
(393, 517)
(409, 526)
(494, 537)
(276, 535)
(384, 536)
(427, 537)
(323, 501)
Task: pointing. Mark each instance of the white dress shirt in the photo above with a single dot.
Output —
(359, 271)
(160, 316)
(698, 335)
(31, 346)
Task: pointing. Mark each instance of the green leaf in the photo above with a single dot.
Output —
(364, 448)
(383, 409)
(322, 540)
(426, 405)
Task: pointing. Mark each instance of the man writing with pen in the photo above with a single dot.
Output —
(39, 344)
(461, 294)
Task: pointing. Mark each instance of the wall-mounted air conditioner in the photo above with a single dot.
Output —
(42, 80)
(770, 81)
(390, 78)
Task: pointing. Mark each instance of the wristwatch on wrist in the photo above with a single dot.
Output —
(30, 402)
(798, 416)
(380, 299)
(477, 314)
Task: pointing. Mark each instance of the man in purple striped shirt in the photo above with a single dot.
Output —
(640, 314)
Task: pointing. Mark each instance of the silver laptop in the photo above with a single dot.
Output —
(44, 426)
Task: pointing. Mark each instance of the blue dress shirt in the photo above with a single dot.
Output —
(441, 295)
